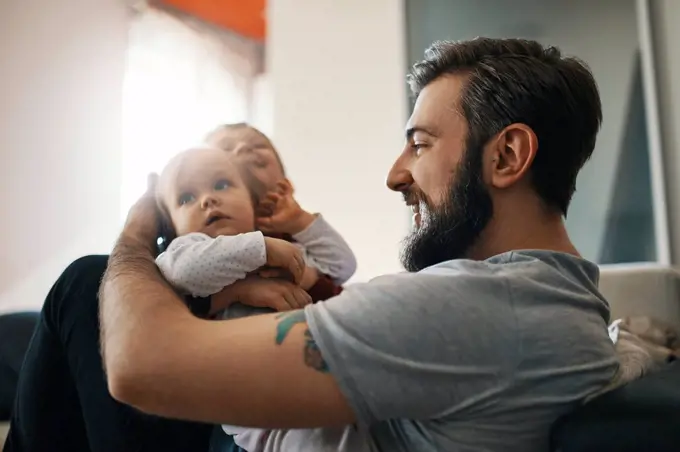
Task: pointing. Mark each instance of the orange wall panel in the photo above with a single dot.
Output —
(245, 17)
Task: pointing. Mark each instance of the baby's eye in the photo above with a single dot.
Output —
(185, 198)
(256, 161)
(222, 184)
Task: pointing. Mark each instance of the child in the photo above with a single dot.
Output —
(211, 209)
(279, 214)
(206, 199)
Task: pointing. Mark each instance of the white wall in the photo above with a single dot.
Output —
(338, 102)
(665, 17)
(61, 69)
(337, 79)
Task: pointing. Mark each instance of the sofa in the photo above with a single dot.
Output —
(631, 289)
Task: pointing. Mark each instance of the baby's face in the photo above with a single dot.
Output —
(255, 151)
(204, 192)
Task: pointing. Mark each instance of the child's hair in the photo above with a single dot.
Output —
(214, 138)
(167, 231)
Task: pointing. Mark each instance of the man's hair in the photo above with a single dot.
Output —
(212, 138)
(519, 81)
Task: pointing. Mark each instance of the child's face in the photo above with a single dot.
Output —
(204, 192)
(254, 150)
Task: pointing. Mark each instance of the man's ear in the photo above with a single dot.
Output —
(513, 153)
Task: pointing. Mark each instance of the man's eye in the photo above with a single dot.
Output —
(185, 198)
(417, 148)
(222, 184)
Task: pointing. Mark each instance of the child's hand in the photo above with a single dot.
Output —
(309, 278)
(276, 294)
(280, 213)
(285, 255)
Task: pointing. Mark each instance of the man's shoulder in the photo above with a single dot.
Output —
(496, 289)
(516, 267)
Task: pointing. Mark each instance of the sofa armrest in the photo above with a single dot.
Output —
(642, 290)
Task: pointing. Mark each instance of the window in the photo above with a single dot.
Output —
(183, 78)
(618, 212)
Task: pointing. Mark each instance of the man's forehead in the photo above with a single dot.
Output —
(437, 103)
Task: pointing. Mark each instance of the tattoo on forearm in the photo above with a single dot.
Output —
(312, 354)
(313, 357)
(286, 322)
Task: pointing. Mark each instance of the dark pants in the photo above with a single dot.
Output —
(63, 403)
(16, 330)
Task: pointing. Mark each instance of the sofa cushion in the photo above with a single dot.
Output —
(643, 415)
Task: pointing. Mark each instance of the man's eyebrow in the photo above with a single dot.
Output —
(412, 130)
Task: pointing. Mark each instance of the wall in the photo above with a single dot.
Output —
(337, 80)
(61, 69)
(338, 102)
(665, 17)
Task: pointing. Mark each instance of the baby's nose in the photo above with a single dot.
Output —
(209, 201)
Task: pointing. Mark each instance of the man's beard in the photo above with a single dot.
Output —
(448, 231)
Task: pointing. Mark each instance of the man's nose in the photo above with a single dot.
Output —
(399, 178)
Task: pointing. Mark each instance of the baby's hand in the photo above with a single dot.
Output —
(276, 294)
(279, 212)
(285, 255)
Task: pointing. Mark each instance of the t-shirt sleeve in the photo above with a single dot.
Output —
(416, 346)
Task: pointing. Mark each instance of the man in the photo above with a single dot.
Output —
(496, 330)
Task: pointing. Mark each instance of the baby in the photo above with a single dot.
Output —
(280, 215)
(209, 202)
(210, 206)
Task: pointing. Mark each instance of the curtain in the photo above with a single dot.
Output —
(183, 78)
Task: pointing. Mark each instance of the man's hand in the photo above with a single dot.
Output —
(285, 255)
(280, 213)
(141, 224)
(276, 294)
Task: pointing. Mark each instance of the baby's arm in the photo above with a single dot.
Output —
(202, 266)
(327, 251)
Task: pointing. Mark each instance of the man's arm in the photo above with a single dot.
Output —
(264, 371)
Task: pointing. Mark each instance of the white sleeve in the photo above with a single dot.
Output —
(327, 251)
(331, 439)
(201, 265)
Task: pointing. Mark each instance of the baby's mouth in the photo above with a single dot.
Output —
(215, 217)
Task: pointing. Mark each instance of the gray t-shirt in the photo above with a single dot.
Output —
(467, 355)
